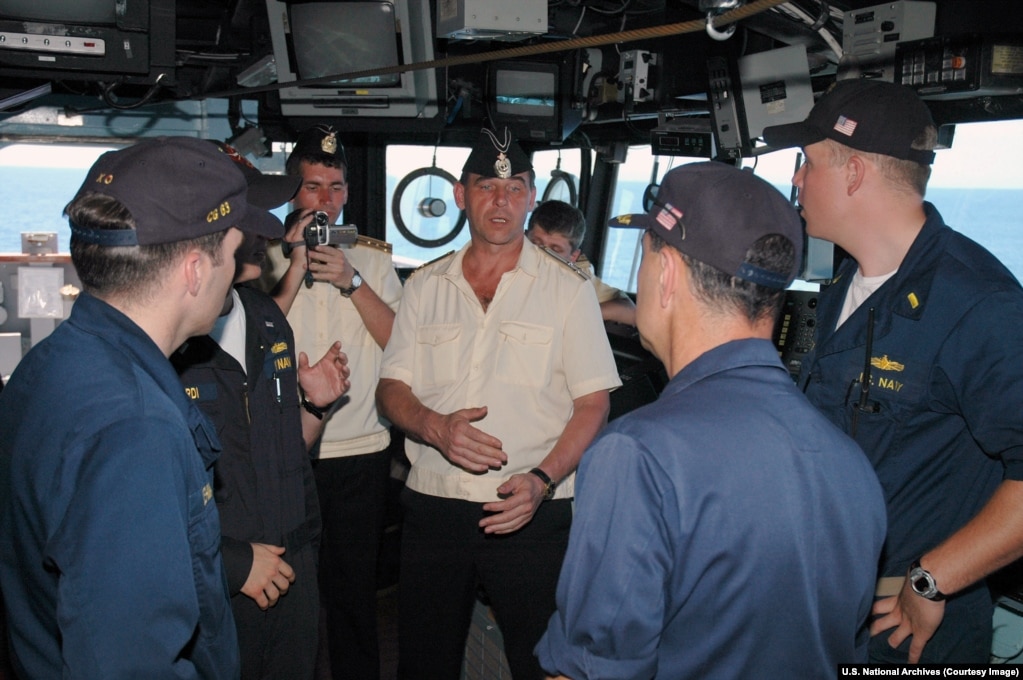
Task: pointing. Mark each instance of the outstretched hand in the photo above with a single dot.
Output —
(326, 380)
(466, 445)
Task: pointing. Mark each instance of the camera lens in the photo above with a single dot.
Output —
(321, 219)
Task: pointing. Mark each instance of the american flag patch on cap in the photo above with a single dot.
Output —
(669, 216)
(846, 126)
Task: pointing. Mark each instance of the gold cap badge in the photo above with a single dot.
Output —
(329, 143)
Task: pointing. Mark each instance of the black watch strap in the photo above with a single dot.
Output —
(312, 408)
(355, 285)
(548, 483)
(923, 584)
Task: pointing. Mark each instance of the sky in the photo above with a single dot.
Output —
(50, 156)
(982, 155)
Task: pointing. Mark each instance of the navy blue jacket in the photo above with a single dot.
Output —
(110, 562)
(264, 488)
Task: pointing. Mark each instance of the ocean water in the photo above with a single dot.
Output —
(33, 199)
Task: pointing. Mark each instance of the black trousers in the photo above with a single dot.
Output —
(281, 642)
(445, 556)
(353, 495)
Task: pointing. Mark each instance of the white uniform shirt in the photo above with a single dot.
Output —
(319, 316)
(540, 345)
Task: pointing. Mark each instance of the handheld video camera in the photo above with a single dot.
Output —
(320, 233)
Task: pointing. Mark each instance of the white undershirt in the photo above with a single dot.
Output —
(860, 289)
(229, 330)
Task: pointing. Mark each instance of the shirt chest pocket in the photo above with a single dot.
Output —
(524, 353)
(437, 353)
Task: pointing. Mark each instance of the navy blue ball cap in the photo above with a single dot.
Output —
(497, 154)
(869, 115)
(714, 212)
(176, 189)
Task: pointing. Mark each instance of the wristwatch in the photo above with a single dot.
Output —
(312, 408)
(923, 583)
(548, 484)
(356, 282)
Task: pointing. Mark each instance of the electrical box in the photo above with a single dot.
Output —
(869, 37)
(775, 88)
(637, 76)
(729, 122)
(962, 66)
(491, 19)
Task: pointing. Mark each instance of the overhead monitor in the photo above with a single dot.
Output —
(106, 40)
(313, 41)
(535, 99)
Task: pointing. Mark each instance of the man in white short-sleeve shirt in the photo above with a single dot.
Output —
(499, 370)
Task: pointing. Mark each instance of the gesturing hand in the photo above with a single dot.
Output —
(326, 380)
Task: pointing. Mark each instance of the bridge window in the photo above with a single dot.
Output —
(976, 185)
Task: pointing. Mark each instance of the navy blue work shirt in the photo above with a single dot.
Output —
(943, 425)
(110, 562)
(941, 421)
(726, 530)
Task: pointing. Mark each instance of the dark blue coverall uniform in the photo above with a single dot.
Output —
(264, 485)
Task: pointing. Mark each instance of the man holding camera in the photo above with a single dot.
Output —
(346, 293)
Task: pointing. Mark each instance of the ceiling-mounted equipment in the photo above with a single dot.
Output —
(111, 41)
(869, 37)
(637, 76)
(537, 99)
(775, 88)
(961, 66)
(313, 41)
(491, 19)
(681, 136)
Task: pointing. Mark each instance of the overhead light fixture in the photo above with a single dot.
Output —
(263, 72)
(251, 141)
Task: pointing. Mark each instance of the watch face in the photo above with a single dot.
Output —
(923, 584)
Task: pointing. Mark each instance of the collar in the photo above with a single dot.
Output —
(907, 291)
(912, 283)
(529, 262)
(905, 294)
(729, 356)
